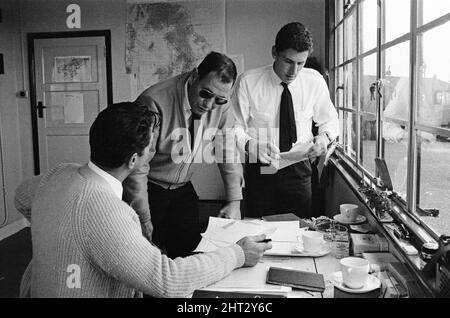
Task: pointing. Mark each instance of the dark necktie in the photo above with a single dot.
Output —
(194, 117)
(288, 131)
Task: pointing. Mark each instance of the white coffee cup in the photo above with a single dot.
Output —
(355, 271)
(312, 241)
(349, 212)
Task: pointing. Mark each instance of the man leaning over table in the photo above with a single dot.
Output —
(274, 107)
(87, 242)
(161, 192)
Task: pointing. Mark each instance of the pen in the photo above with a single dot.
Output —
(265, 241)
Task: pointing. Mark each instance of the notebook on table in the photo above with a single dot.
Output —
(296, 279)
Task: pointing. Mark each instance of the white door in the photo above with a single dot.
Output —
(71, 89)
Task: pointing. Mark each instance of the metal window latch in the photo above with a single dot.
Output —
(376, 87)
(372, 91)
(431, 212)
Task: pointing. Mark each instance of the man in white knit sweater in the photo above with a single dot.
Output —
(87, 242)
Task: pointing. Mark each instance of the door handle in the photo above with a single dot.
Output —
(40, 109)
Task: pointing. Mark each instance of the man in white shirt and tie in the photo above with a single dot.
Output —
(274, 108)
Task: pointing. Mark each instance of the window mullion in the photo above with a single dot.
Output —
(380, 26)
(358, 81)
(412, 149)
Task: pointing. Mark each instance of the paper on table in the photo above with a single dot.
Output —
(234, 231)
(250, 278)
(297, 153)
(223, 232)
(287, 231)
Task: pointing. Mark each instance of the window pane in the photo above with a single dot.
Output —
(368, 32)
(396, 156)
(339, 96)
(339, 45)
(368, 77)
(339, 10)
(397, 18)
(434, 182)
(368, 143)
(396, 84)
(350, 86)
(433, 9)
(350, 36)
(349, 134)
(434, 78)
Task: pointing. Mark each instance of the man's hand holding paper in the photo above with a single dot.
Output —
(320, 146)
(298, 152)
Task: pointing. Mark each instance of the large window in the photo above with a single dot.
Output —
(391, 66)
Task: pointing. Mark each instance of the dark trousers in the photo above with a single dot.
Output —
(287, 191)
(176, 226)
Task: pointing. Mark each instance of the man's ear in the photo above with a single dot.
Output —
(132, 161)
(274, 52)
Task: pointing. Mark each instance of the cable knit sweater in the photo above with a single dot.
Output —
(80, 229)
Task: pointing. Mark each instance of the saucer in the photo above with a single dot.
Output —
(371, 283)
(359, 219)
(322, 252)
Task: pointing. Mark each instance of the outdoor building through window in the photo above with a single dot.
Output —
(391, 68)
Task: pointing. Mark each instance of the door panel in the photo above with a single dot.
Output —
(71, 85)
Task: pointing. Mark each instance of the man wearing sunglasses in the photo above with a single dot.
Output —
(283, 98)
(161, 192)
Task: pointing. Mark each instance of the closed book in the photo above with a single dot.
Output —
(368, 243)
(281, 217)
(296, 279)
(381, 259)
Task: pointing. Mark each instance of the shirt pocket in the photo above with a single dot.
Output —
(303, 116)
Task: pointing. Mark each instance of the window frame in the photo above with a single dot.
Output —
(411, 203)
(407, 211)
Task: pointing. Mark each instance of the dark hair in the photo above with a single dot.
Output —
(313, 62)
(295, 36)
(119, 131)
(220, 63)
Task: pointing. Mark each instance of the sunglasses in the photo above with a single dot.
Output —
(206, 94)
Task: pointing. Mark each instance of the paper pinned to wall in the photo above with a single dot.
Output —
(57, 107)
(73, 108)
(69, 69)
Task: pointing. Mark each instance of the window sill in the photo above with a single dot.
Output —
(352, 176)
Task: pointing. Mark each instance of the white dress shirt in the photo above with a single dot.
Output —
(115, 184)
(256, 104)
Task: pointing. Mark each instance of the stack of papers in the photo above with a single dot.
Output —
(223, 232)
(249, 279)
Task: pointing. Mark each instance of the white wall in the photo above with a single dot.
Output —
(251, 26)
(10, 106)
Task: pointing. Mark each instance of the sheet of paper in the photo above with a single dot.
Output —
(287, 231)
(222, 232)
(249, 278)
(233, 232)
(297, 153)
(73, 108)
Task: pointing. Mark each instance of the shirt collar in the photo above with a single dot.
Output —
(115, 184)
(186, 105)
(276, 81)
